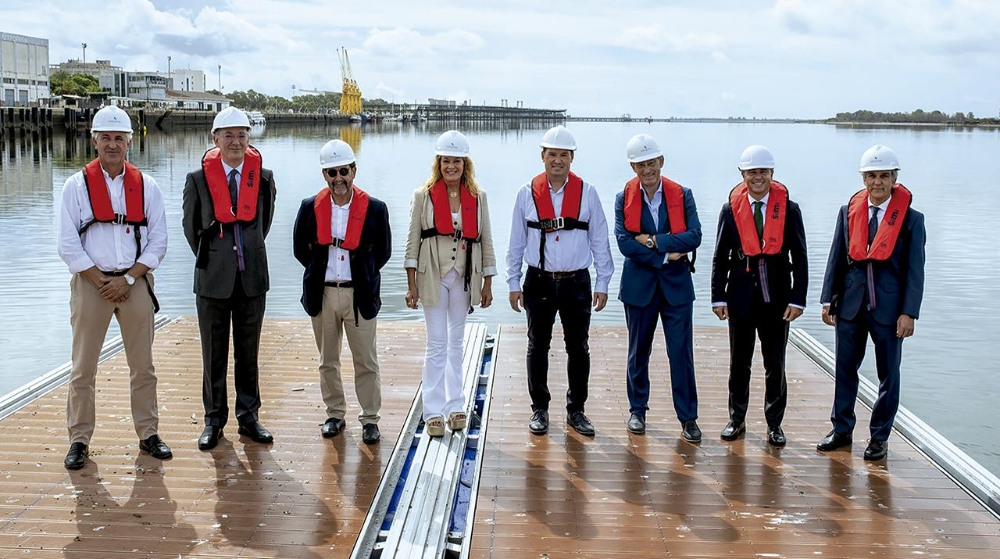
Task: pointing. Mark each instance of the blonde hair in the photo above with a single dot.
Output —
(468, 175)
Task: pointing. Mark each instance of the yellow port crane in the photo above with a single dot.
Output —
(350, 99)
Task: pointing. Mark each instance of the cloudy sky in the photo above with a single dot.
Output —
(716, 58)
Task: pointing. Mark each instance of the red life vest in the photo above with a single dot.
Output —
(572, 200)
(673, 196)
(355, 219)
(442, 212)
(218, 186)
(774, 219)
(100, 199)
(888, 229)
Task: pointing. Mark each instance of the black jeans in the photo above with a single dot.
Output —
(571, 297)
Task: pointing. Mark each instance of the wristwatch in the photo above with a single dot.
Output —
(129, 279)
(650, 242)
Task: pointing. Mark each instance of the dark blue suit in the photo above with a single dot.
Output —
(899, 288)
(651, 288)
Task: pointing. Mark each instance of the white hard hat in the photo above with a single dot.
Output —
(452, 143)
(643, 147)
(230, 117)
(756, 157)
(558, 137)
(335, 153)
(111, 119)
(879, 158)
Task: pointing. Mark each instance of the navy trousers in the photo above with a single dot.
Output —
(678, 330)
(852, 338)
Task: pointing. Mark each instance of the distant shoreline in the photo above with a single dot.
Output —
(737, 120)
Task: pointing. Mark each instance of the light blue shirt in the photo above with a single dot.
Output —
(565, 250)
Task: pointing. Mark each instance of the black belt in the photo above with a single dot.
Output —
(115, 274)
(556, 275)
(339, 284)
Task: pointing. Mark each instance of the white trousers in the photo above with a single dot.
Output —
(442, 375)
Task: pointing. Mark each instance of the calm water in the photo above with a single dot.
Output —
(948, 366)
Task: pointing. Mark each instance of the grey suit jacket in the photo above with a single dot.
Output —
(215, 268)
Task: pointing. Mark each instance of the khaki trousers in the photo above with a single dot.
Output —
(90, 316)
(336, 318)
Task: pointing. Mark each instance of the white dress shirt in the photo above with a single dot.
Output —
(565, 250)
(338, 266)
(107, 245)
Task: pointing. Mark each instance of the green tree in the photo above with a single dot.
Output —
(64, 83)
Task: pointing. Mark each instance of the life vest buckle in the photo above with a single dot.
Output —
(337, 242)
(457, 234)
(554, 224)
(119, 219)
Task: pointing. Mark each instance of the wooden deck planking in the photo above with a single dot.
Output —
(558, 496)
(303, 496)
(564, 495)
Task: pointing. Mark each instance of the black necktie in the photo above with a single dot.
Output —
(758, 219)
(873, 225)
(233, 186)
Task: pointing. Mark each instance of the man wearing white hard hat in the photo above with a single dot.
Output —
(558, 229)
(112, 235)
(657, 228)
(450, 266)
(759, 280)
(873, 287)
(342, 238)
(228, 207)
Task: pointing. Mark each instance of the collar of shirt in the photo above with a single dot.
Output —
(108, 176)
(655, 200)
(228, 169)
(764, 199)
(560, 191)
(347, 205)
(882, 207)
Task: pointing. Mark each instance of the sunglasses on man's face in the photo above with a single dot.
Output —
(344, 171)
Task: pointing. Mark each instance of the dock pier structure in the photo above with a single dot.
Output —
(492, 491)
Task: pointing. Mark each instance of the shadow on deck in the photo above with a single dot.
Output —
(554, 496)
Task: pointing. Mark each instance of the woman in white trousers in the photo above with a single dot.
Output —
(449, 263)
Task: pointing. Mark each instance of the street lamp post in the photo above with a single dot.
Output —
(84, 45)
(170, 81)
(220, 78)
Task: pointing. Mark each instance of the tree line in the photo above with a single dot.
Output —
(918, 116)
(326, 103)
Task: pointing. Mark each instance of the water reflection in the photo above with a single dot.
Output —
(954, 174)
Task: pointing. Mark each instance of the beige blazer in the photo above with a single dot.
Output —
(425, 254)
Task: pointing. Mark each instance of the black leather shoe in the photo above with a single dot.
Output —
(579, 422)
(834, 440)
(76, 458)
(733, 430)
(876, 450)
(332, 427)
(156, 448)
(691, 432)
(539, 424)
(776, 436)
(209, 437)
(256, 432)
(370, 434)
(636, 424)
